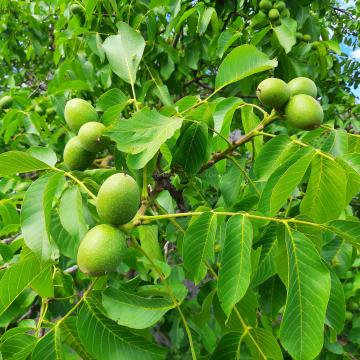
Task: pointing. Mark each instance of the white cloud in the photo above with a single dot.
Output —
(356, 54)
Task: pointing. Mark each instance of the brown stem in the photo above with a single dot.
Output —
(247, 137)
(163, 182)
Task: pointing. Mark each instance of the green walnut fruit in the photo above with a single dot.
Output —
(302, 85)
(307, 37)
(101, 250)
(273, 92)
(273, 14)
(285, 13)
(299, 36)
(304, 112)
(78, 112)
(265, 5)
(75, 156)
(353, 306)
(280, 5)
(348, 316)
(6, 102)
(118, 199)
(91, 138)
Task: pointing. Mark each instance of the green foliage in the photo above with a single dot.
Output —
(179, 180)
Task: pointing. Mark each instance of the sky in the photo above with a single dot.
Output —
(355, 54)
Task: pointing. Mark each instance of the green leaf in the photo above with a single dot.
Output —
(204, 19)
(5, 252)
(351, 164)
(8, 212)
(223, 116)
(286, 34)
(190, 153)
(18, 278)
(346, 229)
(226, 39)
(73, 221)
(46, 155)
(284, 181)
(142, 135)
(124, 52)
(49, 346)
(43, 284)
(333, 45)
(17, 343)
(198, 245)
(162, 92)
(70, 336)
(235, 271)
(335, 313)
(110, 98)
(69, 85)
(250, 121)
(132, 310)
(353, 160)
(260, 342)
(243, 61)
(269, 248)
(337, 143)
(36, 214)
(324, 198)
(148, 236)
(272, 155)
(13, 126)
(308, 291)
(263, 345)
(95, 44)
(113, 113)
(104, 339)
(14, 162)
(89, 8)
(258, 36)
(230, 184)
(228, 347)
(67, 244)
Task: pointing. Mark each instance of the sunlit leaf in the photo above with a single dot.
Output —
(243, 61)
(324, 198)
(36, 215)
(191, 150)
(14, 162)
(105, 339)
(18, 278)
(142, 135)
(284, 180)
(198, 247)
(132, 310)
(235, 271)
(124, 52)
(308, 291)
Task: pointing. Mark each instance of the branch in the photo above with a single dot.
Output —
(10, 239)
(71, 269)
(346, 12)
(247, 137)
(163, 182)
(146, 219)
